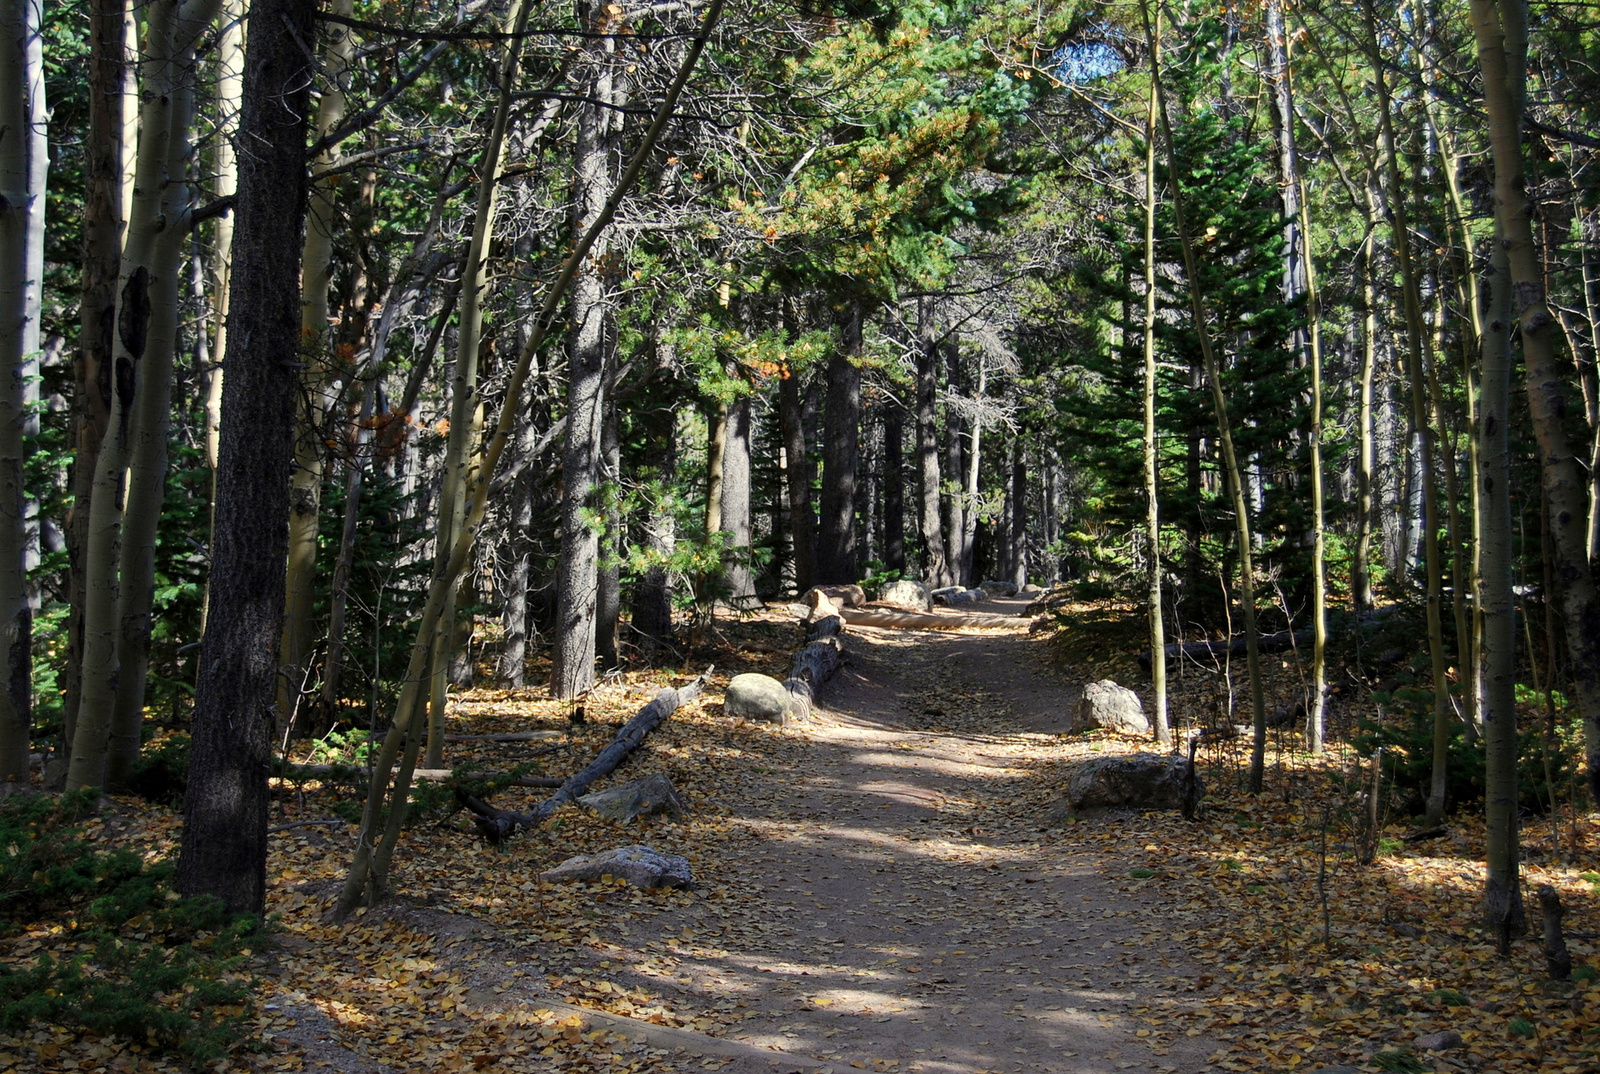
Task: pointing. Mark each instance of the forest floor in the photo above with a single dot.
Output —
(889, 887)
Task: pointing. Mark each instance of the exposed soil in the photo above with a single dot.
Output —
(919, 914)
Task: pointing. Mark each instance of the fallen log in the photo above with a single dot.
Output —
(892, 617)
(511, 736)
(822, 654)
(497, 824)
(1197, 650)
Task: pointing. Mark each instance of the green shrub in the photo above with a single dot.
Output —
(133, 957)
(1407, 740)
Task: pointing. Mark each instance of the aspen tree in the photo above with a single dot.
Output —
(146, 325)
(1421, 424)
(1152, 488)
(383, 813)
(24, 165)
(1500, 28)
(320, 377)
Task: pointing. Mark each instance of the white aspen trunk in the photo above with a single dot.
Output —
(146, 304)
(225, 168)
(369, 865)
(1152, 474)
(1501, 32)
(1421, 425)
(147, 460)
(24, 164)
(320, 378)
(465, 400)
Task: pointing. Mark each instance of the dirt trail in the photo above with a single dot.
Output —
(920, 917)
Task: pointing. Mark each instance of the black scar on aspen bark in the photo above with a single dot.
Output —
(134, 320)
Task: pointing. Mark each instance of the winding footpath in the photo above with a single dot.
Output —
(920, 915)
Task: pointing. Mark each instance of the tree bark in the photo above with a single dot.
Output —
(836, 539)
(224, 849)
(577, 583)
(1497, 675)
(320, 379)
(894, 487)
(146, 325)
(736, 504)
(111, 90)
(935, 562)
(608, 605)
(1017, 558)
(1152, 473)
(24, 164)
(797, 477)
(1501, 33)
(1421, 427)
(955, 517)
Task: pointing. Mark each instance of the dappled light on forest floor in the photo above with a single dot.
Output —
(883, 889)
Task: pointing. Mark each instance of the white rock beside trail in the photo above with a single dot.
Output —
(1106, 705)
(757, 697)
(907, 593)
(638, 865)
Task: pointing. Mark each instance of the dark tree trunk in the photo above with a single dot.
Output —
(1017, 557)
(841, 442)
(935, 564)
(652, 595)
(894, 487)
(577, 585)
(224, 850)
(736, 502)
(608, 610)
(516, 550)
(802, 521)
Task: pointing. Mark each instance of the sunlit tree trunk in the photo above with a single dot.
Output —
(955, 515)
(1501, 33)
(147, 461)
(736, 503)
(225, 181)
(146, 326)
(935, 564)
(224, 849)
(1152, 487)
(1421, 426)
(24, 166)
(1361, 561)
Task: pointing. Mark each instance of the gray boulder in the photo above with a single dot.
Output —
(758, 697)
(1106, 705)
(652, 796)
(1139, 780)
(638, 865)
(907, 593)
(848, 595)
(999, 589)
(1032, 589)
